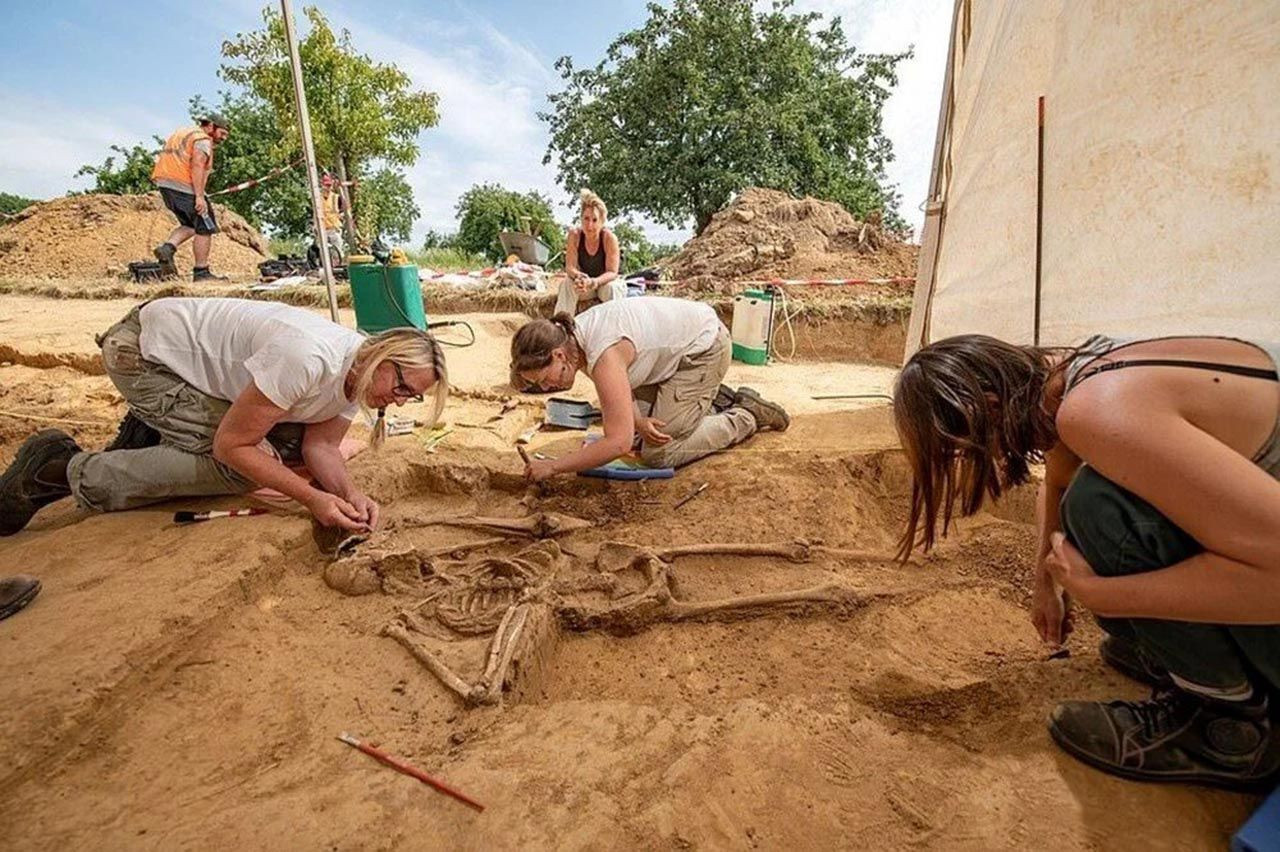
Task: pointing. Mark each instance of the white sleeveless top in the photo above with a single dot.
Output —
(663, 331)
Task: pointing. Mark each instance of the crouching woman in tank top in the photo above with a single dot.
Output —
(668, 355)
(1159, 512)
(592, 259)
(221, 394)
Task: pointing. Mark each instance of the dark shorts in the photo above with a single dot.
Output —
(183, 206)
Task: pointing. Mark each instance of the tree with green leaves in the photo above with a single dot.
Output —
(712, 96)
(636, 249)
(10, 203)
(365, 115)
(486, 209)
(386, 205)
(126, 171)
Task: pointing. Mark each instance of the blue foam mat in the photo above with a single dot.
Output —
(629, 473)
(1262, 832)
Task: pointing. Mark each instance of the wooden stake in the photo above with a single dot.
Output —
(1039, 210)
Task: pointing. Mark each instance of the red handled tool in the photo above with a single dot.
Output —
(412, 771)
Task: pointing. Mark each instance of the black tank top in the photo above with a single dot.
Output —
(591, 264)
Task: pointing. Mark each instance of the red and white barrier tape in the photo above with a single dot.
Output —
(777, 282)
(248, 184)
(828, 282)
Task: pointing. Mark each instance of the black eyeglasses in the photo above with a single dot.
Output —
(402, 390)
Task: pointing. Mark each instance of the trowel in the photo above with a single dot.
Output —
(570, 413)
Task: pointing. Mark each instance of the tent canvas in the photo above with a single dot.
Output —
(1161, 193)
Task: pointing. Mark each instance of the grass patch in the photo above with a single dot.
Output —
(287, 245)
(447, 259)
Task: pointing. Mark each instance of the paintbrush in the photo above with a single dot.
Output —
(692, 494)
(196, 517)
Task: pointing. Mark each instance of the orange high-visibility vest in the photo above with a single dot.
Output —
(174, 161)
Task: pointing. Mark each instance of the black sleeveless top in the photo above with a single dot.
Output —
(591, 264)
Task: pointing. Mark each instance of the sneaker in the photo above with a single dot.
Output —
(1127, 657)
(164, 253)
(21, 491)
(133, 434)
(725, 399)
(768, 415)
(1173, 736)
(206, 275)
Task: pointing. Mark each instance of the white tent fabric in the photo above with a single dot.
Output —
(1161, 210)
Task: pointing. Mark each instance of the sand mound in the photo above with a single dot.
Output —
(88, 235)
(768, 234)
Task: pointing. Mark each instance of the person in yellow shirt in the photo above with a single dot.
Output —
(181, 171)
(331, 210)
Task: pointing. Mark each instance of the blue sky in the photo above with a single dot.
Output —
(78, 76)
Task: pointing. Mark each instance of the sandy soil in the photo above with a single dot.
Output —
(183, 687)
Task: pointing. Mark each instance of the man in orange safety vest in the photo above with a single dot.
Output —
(181, 171)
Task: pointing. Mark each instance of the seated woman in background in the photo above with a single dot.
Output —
(591, 260)
(669, 354)
(219, 392)
(1160, 513)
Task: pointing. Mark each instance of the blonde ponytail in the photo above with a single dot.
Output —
(589, 199)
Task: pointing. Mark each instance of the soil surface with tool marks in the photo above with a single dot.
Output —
(81, 236)
(184, 686)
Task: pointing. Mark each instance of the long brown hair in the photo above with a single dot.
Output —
(533, 344)
(971, 415)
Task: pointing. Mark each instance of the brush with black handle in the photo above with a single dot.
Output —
(196, 517)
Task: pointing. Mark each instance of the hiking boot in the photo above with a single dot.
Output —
(725, 399)
(164, 253)
(1173, 736)
(133, 434)
(206, 275)
(22, 492)
(768, 415)
(16, 592)
(1127, 657)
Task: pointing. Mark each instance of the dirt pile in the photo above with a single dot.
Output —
(768, 234)
(93, 235)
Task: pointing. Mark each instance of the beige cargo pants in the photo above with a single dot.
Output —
(683, 402)
(182, 464)
(568, 300)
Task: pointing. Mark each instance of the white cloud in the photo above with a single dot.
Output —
(491, 89)
(45, 143)
(911, 115)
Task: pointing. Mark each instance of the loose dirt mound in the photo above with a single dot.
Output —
(86, 235)
(768, 234)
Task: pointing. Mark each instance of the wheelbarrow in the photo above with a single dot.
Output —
(527, 247)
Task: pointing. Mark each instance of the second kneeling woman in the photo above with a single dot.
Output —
(671, 354)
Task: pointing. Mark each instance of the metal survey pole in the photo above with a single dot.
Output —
(309, 154)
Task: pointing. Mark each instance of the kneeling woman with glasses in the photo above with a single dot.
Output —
(222, 394)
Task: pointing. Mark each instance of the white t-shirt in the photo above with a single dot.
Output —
(662, 330)
(297, 359)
